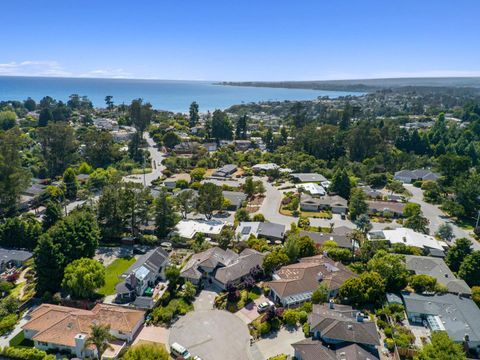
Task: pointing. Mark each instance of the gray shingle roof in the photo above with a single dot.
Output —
(231, 266)
(152, 260)
(341, 325)
(308, 177)
(235, 197)
(321, 238)
(7, 255)
(438, 269)
(459, 315)
(272, 230)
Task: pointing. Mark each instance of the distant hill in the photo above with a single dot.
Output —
(366, 85)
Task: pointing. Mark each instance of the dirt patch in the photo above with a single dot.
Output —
(255, 204)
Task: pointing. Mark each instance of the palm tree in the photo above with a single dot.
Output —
(99, 337)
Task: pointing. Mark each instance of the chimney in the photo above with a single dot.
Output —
(359, 317)
(331, 304)
(80, 345)
(319, 276)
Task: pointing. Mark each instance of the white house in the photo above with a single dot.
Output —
(187, 229)
(408, 237)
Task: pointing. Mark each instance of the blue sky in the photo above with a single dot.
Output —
(240, 40)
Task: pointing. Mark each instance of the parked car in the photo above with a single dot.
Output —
(264, 306)
(179, 351)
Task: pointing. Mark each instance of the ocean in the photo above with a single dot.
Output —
(162, 94)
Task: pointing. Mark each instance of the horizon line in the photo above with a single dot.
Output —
(239, 81)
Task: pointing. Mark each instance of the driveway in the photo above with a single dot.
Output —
(154, 334)
(205, 300)
(437, 217)
(212, 335)
(277, 343)
(250, 311)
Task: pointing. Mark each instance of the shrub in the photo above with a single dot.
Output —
(381, 324)
(302, 317)
(390, 344)
(290, 317)
(259, 217)
(7, 323)
(25, 354)
(275, 324)
(264, 328)
(307, 307)
(306, 330)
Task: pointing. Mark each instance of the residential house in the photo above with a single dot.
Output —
(294, 284)
(171, 182)
(266, 230)
(186, 147)
(310, 349)
(308, 177)
(437, 268)
(221, 267)
(187, 229)
(408, 237)
(342, 240)
(457, 315)
(145, 273)
(211, 146)
(235, 198)
(334, 203)
(123, 134)
(35, 189)
(66, 329)
(265, 167)
(312, 189)
(371, 193)
(242, 145)
(383, 208)
(13, 258)
(339, 325)
(409, 176)
(225, 171)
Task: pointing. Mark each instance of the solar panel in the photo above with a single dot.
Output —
(246, 230)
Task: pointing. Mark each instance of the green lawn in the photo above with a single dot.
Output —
(113, 272)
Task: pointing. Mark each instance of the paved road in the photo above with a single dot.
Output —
(212, 335)
(271, 204)
(156, 156)
(437, 216)
(273, 200)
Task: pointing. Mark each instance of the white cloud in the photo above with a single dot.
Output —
(107, 73)
(54, 68)
(33, 68)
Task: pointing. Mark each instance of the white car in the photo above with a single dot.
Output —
(264, 306)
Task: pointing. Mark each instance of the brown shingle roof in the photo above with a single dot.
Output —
(305, 276)
(60, 324)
